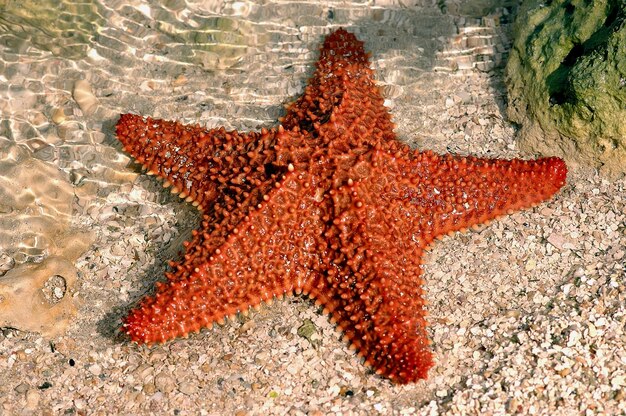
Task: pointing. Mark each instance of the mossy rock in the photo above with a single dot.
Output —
(566, 79)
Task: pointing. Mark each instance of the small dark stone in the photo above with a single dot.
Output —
(45, 385)
(346, 391)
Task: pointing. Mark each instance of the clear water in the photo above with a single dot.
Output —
(219, 63)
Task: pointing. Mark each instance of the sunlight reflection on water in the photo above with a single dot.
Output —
(68, 68)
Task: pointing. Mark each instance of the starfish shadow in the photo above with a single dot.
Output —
(109, 325)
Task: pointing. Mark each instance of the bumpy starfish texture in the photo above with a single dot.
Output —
(328, 204)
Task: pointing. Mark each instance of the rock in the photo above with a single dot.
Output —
(38, 245)
(23, 303)
(566, 79)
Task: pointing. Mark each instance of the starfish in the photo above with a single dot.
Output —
(328, 204)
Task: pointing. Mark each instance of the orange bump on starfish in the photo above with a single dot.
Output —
(328, 204)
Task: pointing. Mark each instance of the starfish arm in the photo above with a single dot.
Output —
(343, 65)
(455, 193)
(196, 162)
(374, 291)
(391, 209)
(272, 252)
(342, 106)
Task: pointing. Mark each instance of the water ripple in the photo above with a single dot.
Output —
(68, 68)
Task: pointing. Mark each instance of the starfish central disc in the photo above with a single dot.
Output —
(328, 204)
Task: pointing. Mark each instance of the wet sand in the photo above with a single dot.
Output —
(527, 315)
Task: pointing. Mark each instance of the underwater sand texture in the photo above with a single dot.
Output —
(37, 245)
(526, 315)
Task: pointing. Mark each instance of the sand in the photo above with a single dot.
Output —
(527, 315)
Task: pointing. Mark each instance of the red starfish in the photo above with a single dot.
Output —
(328, 204)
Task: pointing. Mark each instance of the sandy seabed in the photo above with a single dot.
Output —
(527, 315)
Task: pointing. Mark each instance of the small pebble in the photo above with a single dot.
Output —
(187, 388)
(149, 388)
(32, 399)
(84, 97)
(58, 115)
(164, 383)
(95, 369)
(22, 388)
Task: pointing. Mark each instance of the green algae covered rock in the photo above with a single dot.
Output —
(566, 79)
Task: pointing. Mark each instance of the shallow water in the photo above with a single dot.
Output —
(67, 69)
(83, 234)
